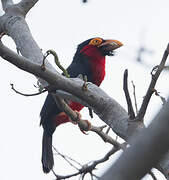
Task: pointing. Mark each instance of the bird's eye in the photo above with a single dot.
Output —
(96, 41)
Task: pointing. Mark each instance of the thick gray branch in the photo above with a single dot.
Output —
(145, 151)
(6, 4)
(107, 108)
(14, 24)
(26, 5)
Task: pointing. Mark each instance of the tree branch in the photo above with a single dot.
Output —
(89, 167)
(26, 5)
(152, 175)
(144, 153)
(151, 87)
(84, 126)
(27, 95)
(134, 94)
(106, 108)
(68, 159)
(127, 95)
(107, 138)
(14, 24)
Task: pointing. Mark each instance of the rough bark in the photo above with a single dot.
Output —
(145, 151)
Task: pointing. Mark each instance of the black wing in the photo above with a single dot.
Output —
(50, 109)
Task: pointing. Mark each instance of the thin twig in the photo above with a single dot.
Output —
(90, 112)
(59, 177)
(127, 95)
(89, 167)
(66, 159)
(91, 175)
(94, 175)
(108, 129)
(151, 88)
(152, 175)
(134, 94)
(162, 98)
(57, 62)
(27, 95)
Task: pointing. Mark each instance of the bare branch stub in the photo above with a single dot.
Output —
(127, 95)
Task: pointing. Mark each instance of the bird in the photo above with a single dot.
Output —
(89, 60)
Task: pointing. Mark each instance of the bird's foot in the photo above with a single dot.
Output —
(83, 78)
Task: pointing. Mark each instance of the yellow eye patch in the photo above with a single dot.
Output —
(96, 41)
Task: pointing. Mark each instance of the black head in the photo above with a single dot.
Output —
(107, 47)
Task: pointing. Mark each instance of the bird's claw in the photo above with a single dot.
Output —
(84, 87)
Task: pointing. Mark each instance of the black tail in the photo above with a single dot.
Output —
(47, 153)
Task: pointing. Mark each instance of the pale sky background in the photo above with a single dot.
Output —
(62, 25)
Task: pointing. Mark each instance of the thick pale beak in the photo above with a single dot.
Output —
(110, 45)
